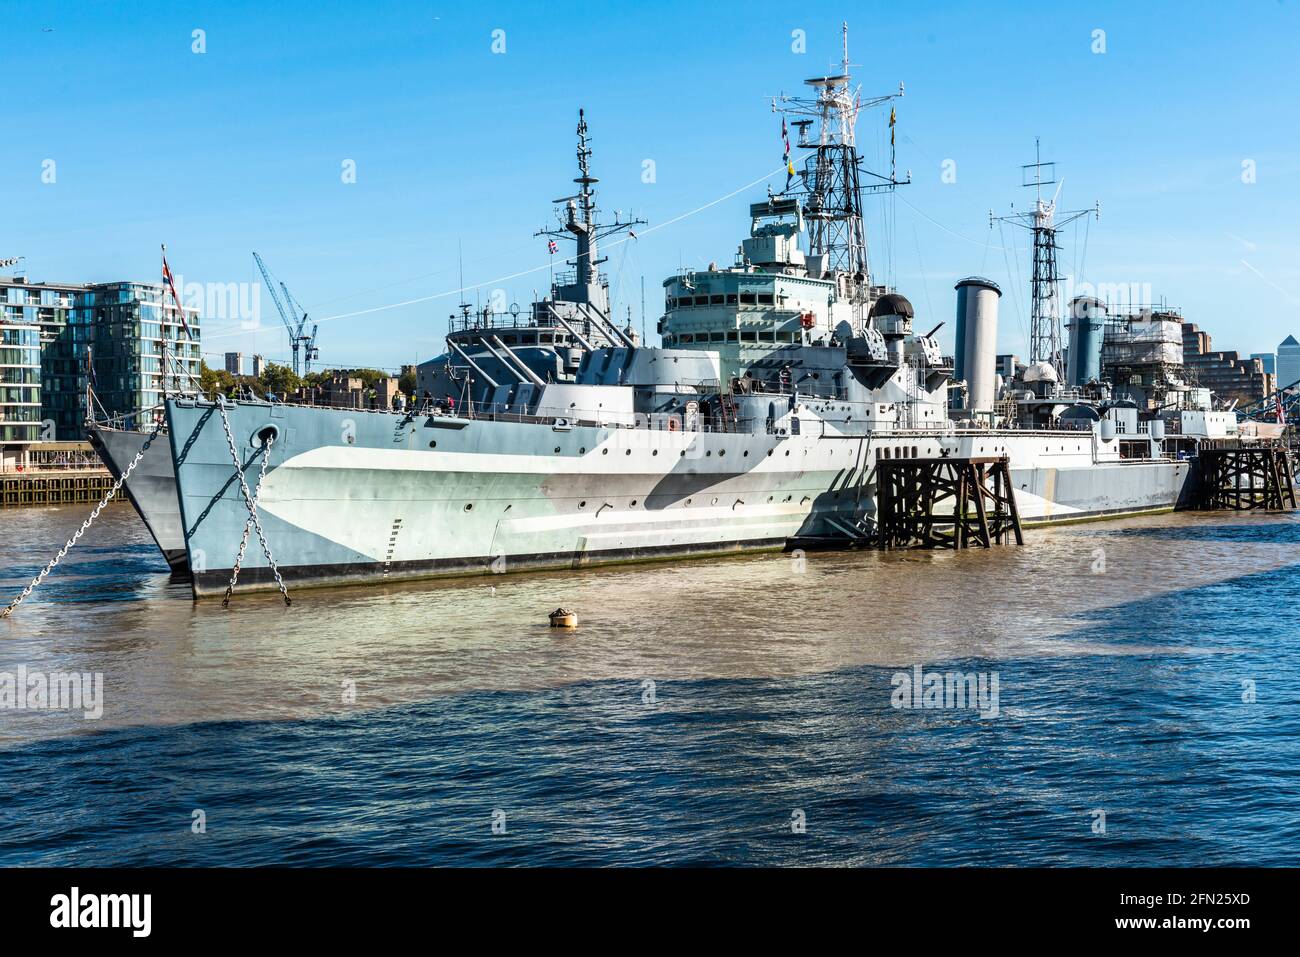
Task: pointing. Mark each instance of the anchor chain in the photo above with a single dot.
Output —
(254, 520)
(248, 527)
(108, 496)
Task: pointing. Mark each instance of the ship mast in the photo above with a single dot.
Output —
(578, 222)
(1044, 222)
(832, 178)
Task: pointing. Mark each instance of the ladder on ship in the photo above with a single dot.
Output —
(727, 411)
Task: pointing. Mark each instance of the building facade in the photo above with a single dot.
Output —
(1268, 359)
(235, 363)
(20, 382)
(1288, 362)
(109, 339)
(1226, 374)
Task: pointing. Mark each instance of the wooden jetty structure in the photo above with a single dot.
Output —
(70, 487)
(53, 473)
(946, 503)
(1244, 477)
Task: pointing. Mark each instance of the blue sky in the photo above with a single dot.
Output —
(241, 148)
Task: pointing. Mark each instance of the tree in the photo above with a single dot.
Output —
(279, 379)
(213, 381)
(407, 382)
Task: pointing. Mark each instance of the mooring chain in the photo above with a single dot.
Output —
(251, 504)
(248, 527)
(108, 497)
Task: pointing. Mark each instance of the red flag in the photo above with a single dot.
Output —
(171, 284)
(553, 246)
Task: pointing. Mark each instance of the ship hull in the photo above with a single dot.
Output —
(151, 489)
(356, 497)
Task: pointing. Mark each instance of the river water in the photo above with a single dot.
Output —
(733, 711)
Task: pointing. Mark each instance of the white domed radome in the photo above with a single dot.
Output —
(1041, 372)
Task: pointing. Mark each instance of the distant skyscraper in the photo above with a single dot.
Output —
(1269, 359)
(235, 363)
(1288, 362)
(259, 366)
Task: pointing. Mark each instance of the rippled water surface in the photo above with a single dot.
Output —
(704, 712)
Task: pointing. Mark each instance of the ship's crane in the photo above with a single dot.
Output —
(294, 317)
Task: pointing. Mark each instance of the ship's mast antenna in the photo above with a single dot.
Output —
(578, 222)
(1044, 222)
(832, 179)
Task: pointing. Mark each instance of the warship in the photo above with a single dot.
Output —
(552, 438)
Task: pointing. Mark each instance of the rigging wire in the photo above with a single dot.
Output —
(1015, 286)
(536, 269)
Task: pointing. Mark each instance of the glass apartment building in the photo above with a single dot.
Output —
(106, 337)
(129, 333)
(20, 382)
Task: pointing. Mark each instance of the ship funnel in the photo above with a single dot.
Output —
(1086, 327)
(977, 341)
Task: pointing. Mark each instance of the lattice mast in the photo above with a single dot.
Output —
(832, 178)
(1044, 221)
(578, 222)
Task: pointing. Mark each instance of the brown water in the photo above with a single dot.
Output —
(1147, 669)
(112, 608)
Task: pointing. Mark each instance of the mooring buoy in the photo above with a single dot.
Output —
(563, 618)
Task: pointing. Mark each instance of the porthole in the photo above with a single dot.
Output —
(688, 501)
(582, 504)
(746, 455)
(683, 453)
(714, 502)
(654, 452)
(469, 506)
(433, 444)
(604, 451)
(582, 451)
(557, 450)
(628, 452)
(634, 503)
(769, 452)
(787, 451)
(721, 452)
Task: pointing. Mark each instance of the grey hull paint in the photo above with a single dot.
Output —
(151, 489)
(362, 497)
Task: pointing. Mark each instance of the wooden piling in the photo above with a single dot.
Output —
(946, 503)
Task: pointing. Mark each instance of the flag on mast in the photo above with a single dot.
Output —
(785, 140)
(1281, 410)
(553, 246)
(171, 284)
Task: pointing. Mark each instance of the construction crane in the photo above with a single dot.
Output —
(310, 352)
(294, 317)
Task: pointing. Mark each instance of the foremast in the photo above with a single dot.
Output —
(578, 221)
